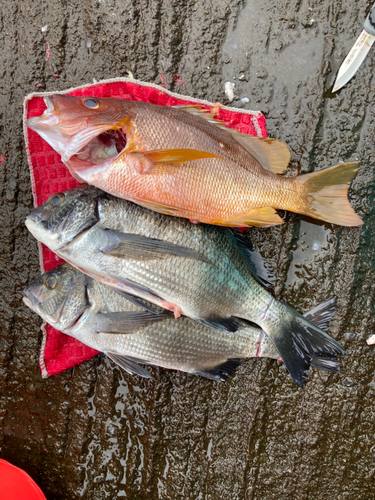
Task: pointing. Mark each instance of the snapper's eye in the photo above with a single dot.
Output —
(91, 103)
(50, 282)
(56, 199)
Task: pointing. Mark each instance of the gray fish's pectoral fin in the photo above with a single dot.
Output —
(124, 286)
(129, 364)
(138, 247)
(221, 372)
(127, 322)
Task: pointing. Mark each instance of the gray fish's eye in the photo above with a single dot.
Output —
(50, 282)
(56, 199)
(91, 103)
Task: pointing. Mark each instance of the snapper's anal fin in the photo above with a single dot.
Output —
(326, 194)
(261, 217)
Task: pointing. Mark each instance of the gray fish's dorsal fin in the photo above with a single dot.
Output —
(129, 364)
(261, 269)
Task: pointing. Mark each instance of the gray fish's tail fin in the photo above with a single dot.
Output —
(299, 341)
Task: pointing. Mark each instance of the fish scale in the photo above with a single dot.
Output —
(177, 344)
(197, 270)
(183, 162)
(180, 344)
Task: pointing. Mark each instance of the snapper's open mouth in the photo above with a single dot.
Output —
(79, 141)
(105, 146)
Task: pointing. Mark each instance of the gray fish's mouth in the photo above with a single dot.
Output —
(28, 302)
(29, 299)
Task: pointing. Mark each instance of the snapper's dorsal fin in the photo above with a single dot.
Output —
(272, 154)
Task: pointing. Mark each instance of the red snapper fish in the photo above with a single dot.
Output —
(181, 161)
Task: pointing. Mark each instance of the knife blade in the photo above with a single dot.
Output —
(358, 52)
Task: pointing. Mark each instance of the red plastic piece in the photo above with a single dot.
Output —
(16, 484)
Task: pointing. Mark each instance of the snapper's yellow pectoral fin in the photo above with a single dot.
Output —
(261, 217)
(171, 156)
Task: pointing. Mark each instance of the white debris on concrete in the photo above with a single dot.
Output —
(229, 90)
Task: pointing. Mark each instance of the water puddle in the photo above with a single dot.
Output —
(308, 253)
(272, 68)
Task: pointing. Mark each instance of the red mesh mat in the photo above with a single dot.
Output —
(49, 175)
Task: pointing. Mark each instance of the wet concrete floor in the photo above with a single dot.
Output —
(94, 432)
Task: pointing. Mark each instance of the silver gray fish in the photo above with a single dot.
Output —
(199, 271)
(131, 333)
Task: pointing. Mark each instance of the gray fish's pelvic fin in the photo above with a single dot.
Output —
(129, 364)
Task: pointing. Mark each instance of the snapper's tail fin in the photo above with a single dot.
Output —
(325, 194)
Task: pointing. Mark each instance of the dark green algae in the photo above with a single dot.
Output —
(95, 433)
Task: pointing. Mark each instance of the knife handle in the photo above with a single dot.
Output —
(369, 24)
